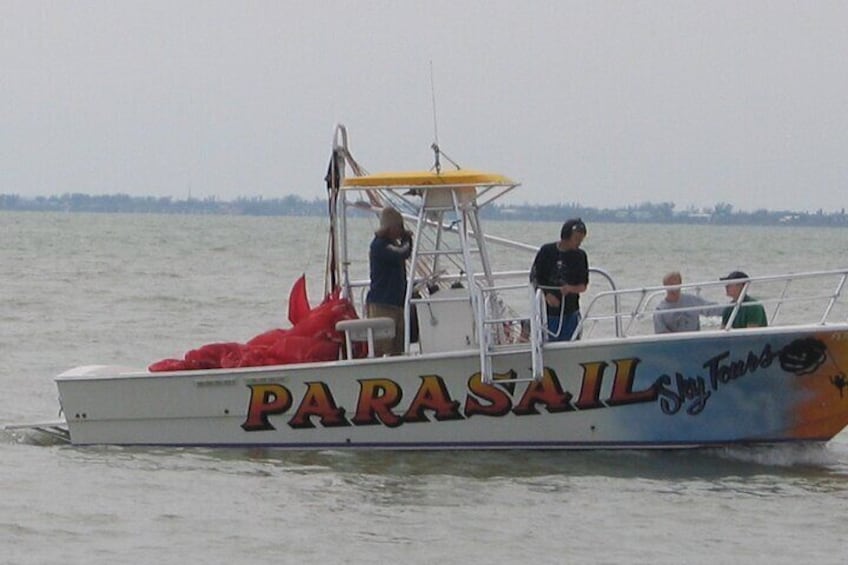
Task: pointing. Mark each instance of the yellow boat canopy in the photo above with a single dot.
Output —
(404, 179)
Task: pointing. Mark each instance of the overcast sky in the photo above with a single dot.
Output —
(601, 103)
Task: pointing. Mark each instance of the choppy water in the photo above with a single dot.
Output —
(79, 289)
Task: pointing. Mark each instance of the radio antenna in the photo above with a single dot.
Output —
(435, 146)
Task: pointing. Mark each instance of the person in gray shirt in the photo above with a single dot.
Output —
(679, 312)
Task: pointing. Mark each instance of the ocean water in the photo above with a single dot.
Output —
(130, 289)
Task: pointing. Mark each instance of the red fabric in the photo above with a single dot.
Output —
(300, 349)
(257, 357)
(322, 319)
(168, 365)
(312, 338)
(298, 301)
(268, 338)
(210, 356)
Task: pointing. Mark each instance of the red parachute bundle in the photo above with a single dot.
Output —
(312, 338)
(211, 356)
(298, 301)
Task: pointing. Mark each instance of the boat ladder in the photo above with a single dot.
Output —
(501, 334)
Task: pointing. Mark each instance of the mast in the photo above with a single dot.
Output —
(333, 180)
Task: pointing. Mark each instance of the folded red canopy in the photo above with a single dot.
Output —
(312, 337)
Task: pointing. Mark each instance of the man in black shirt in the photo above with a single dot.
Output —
(561, 270)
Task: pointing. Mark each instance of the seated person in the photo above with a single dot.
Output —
(751, 313)
(673, 314)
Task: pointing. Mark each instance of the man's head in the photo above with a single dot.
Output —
(391, 223)
(734, 288)
(672, 282)
(572, 233)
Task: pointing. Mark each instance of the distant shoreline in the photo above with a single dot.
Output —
(648, 213)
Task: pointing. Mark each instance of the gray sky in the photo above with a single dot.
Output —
(601, 103)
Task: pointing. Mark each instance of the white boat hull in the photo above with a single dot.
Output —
(706, 388)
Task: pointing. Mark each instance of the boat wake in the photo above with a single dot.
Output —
(789, 456)
(47, 434)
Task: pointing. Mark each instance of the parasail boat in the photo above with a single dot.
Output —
(477, 370)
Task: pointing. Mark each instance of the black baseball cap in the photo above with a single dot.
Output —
(735, 275)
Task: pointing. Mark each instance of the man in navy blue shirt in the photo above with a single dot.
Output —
(561, 270)
(390, 248)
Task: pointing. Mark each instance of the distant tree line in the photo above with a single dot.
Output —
(665, 213)
(647, 212)
(126, 204)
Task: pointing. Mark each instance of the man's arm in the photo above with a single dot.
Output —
(539, 277)
(710, 308)
(537, 270)
(393, 251)
(578, 277)
(573, 288)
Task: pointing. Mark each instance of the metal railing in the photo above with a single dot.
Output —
(788, 299)
(511, 315)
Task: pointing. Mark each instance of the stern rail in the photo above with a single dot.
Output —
(814, 297)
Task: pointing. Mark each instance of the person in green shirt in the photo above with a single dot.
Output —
(751, 313)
